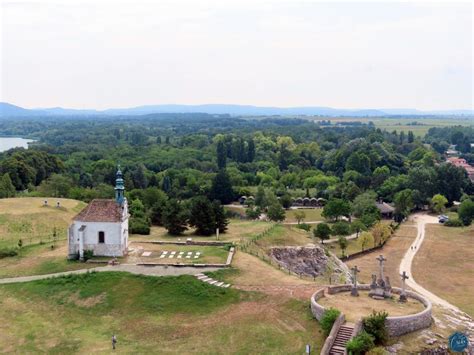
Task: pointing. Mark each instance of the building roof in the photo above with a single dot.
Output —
(100, 210)
(384, 207)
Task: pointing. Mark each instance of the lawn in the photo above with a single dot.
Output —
(150, 315)
(237, 230)
(27, 219)
(311, 215)
(445, 264)
(209, 254)
(38, 260)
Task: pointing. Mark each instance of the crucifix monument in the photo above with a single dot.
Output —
(403, 295)
(354, 291)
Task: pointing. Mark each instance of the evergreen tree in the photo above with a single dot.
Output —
(411, 137)
(250, 150)
(221, 220)
(175, 217)
(202, 216)
(6, 186)
(221, 155)
(221, 188)
(166, 184)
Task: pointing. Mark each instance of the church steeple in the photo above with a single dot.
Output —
(119, 187)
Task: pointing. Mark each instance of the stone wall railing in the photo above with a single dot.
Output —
(396, 326)
(316, 308)
(340, 320)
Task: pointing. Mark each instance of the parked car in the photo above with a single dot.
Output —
(443, 218)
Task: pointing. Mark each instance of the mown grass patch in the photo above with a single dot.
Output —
(167, 295)
(149, 315)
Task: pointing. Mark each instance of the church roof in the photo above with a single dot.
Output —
(100, 210)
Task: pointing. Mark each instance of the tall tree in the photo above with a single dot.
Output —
(6, 186)
(221, 188)
(201, 216)
(336, 208)
(403, 204)
(221, 151)
(175, 217)
(322, 231)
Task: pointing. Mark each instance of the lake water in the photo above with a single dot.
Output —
(13, 142)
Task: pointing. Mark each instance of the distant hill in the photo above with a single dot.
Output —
(9, 110)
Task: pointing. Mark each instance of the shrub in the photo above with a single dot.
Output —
(139, 226)
(453, 223)
(375, 326)
(328, 319)
(88, 254)
(341, 228)
(7, 252)
(304, 226)
(360, 344)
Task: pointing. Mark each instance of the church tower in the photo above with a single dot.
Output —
(119, 187)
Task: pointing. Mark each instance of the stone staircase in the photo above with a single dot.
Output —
(342, 337)
(211, 281)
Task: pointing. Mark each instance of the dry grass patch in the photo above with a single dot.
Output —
(445, 264)
(237, 230)
(393, 251)
(357, 307)
(311, 214)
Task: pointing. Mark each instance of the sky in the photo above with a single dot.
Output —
(102, 54)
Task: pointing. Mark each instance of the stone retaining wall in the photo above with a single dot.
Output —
(396, 326)
(316, 308)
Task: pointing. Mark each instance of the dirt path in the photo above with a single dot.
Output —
(405, 265)
(133, 269)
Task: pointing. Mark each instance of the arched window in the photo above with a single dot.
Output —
(101, 237)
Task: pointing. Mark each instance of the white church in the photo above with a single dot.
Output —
(102, 226)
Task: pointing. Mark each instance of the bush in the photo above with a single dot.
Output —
(341, 228)
(139, 226)
(453, 223)
(88, 254)
(360, 344)
(328, 319)
(304, 226)
(7, 252)
(375, 326)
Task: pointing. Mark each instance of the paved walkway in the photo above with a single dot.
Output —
(131, 268)
(406, 263)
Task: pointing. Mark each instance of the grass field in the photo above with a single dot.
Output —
(27, 219)
(406, 124)
(311, 214)
(445, 265)
(237, 230)
(149, 315)
(39, 260)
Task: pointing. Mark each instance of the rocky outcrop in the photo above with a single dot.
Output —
(309, 260)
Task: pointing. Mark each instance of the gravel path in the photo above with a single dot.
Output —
(406, 263)
(134, 269)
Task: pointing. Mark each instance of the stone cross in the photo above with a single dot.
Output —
(403, 295)
(355, 271)
(381, 260)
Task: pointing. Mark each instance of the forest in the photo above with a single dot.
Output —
(176, 163)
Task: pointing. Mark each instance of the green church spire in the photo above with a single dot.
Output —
(119, 187)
